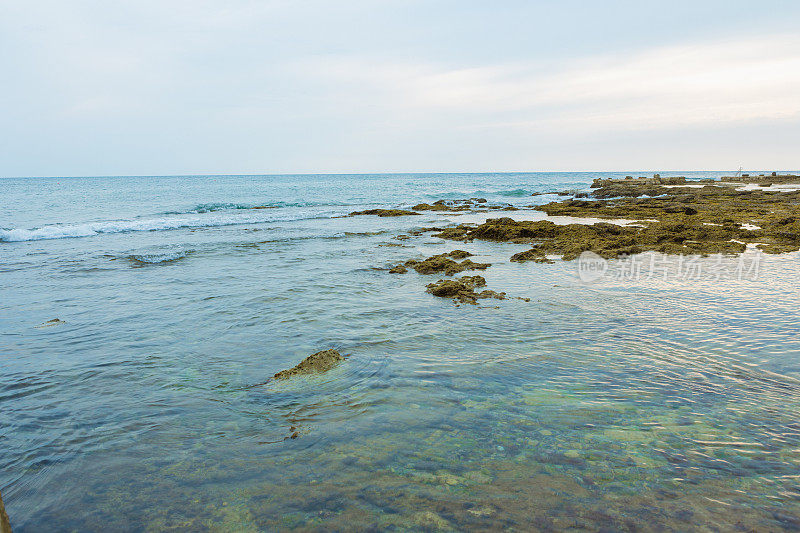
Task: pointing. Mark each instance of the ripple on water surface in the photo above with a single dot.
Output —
(616, 404)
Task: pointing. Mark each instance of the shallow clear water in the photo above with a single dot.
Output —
(614, 404)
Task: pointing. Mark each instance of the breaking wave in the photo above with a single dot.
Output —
(164, 223)
(512, 193)
(223, 206)
(157, 258)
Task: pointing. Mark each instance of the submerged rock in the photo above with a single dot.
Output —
(313, 364)
(5, 524)
(385, 212)
(428, 521)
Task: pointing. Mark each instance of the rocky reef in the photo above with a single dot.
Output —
(441, 263)
(774, 177)
(463, 289)
(668, 215)
(451, 206)
(384, 212)
(702, 220)
(675, 220)
(655, 180)
(535, 254)
(466, 204)
(313, 364)
(606, 239)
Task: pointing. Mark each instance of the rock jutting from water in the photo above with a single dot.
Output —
(442, 263)
(385, 212)
(313, 364)
(535, 254)
(463, 289)
(50, 323)
(465, 204)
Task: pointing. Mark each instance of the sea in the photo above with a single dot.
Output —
(142, 318)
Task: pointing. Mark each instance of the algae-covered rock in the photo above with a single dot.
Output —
(459, 254)
(399, 269)
(679, 235)
(537, 255)
(459, 233)
(451, 287)
(463, 289)
(384, 212)
(444, 263)
(431, 207)
(5, 524)
(313, 364)
(492, 294)
(461, 205)
(50, 323)
(715, 218)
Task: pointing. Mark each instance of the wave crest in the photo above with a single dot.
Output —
(66, 231)
(157, 258)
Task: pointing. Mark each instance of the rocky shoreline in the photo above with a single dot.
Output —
(670, 215)
(704, 220)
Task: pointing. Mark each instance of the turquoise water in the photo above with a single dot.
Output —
(614, 404)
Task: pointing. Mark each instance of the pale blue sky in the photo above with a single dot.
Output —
(282, 86)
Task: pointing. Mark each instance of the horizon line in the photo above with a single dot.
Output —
(391, 173)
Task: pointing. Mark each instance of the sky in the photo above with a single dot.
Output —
(160, 87)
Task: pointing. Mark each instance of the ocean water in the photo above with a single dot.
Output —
(666, 402)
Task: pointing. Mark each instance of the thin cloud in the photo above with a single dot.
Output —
(700, 85)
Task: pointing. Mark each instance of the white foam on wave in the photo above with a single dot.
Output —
(156, 258)
(89, 229)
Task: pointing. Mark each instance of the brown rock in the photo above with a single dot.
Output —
(384, 212)
(313, 364)
(459, 254)
(443, 263)
(536, 255)
(429, 207)
(463, 289)
(5, 524)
